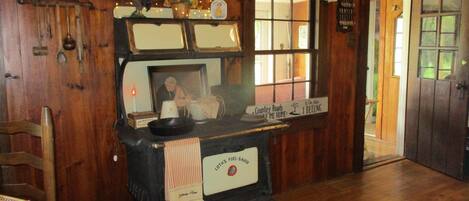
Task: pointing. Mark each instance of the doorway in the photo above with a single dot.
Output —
(388, 29)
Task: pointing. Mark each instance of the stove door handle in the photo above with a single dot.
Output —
(234, 149)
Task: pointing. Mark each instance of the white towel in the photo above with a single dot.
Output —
(183, 170)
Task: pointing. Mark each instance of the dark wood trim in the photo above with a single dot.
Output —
(323, 53)
(248, 41)
(3, 98)
(314, 121)
(290, 51)
(172, 55)
(360, 100)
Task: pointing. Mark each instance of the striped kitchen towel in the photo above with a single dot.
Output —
(183, 170)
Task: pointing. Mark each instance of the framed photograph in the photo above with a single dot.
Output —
(166, 81)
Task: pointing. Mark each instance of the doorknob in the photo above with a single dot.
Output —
(11, 77)
(461, 87)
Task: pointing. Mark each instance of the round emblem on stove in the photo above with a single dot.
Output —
(232, 170)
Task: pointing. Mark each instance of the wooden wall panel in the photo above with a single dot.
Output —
(83, 119)
(4, 140)
(440, 125)
(308, 152)
(425, 125)
(13, 64)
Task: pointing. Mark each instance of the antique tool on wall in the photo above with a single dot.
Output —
(69, 42)
(39, 50)
(48, 23)
(79, 37)
(61, 57)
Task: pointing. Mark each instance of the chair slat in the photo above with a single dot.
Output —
(21, 158)
(16, 127)
(9, 198)
(22, 191)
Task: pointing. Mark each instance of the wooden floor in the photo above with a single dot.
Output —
(377, 150)
(400, 181)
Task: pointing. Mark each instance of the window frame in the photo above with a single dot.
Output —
(312, 50)
(438, 48)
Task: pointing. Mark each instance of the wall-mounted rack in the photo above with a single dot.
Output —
(54, 3)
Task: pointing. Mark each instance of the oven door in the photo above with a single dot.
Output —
(236, 168)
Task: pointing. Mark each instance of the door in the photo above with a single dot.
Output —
(437, 97)
(389, 70)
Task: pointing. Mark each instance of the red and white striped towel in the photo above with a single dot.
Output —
(183, 170)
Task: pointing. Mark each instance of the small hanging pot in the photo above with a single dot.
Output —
(69, 43)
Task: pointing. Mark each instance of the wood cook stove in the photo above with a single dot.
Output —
(235, 154)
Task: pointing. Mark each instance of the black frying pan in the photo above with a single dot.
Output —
(171, 126)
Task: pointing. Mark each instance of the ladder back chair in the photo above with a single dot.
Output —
(46, 163)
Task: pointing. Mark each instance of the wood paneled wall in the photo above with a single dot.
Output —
(311, 150)
(84, 136)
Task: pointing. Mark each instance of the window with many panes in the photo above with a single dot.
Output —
(283, 61)
(438, 38)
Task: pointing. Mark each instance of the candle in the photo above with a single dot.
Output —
(133, 92)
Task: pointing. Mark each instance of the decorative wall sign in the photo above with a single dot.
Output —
(228, 171)
(219, 9)
(345, 15)
(290, 109)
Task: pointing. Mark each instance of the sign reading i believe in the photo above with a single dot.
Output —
(290, 109)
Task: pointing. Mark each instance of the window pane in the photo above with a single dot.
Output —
(397, 55)
(302, 67)
(282, 33)
(263, 35)
(446, 60)
(283, 68)
(263, 69)
(430, 6)
(397, 69)
(444, 75)
(300, 9)
(283, 93)
(300, 35)
(399, 40)
(428, 58)
(301, 90)
(451, 5)
(264, 94)
(427, 73)
(264, 9)
(429, 24)
(400, 24)
(282, 9)
(448, 24)
(448, 40)
(428, 39)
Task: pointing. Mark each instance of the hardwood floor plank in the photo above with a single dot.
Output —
(400, 181)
